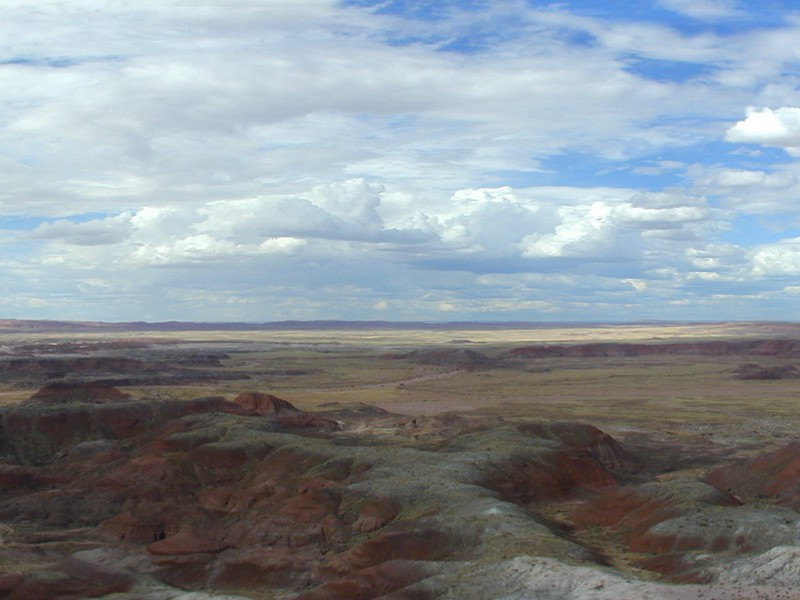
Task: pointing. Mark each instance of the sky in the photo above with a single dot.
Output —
(484, 160)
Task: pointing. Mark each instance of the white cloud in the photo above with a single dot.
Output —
(203, 248)
(345, 212)
(280, 245)
(584, 232)
(753, 191)
(491, 221)
(605, 230)
(355, 202)
(777, 259)
(780, 127)
(344, 219)
(97, 232)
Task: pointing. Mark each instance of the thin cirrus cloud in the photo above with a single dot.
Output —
(320, 159)
(705, 10)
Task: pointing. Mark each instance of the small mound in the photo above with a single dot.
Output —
(64, 392)
(264, 404)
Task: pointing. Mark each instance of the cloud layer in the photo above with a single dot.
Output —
(317, 159)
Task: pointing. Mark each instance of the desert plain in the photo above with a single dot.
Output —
(624, 461)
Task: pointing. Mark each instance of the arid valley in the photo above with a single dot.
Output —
(618, 462)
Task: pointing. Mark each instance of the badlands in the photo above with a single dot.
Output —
(656, 461)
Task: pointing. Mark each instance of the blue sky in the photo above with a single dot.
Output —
(400, 160)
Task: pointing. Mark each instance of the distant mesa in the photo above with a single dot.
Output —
(66, 392)
(460, 358)
(621, 350)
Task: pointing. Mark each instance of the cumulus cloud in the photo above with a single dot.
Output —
(232, 229)
(780, 128)
(203, 248)
(607, 230)
(490, 222)
(476, 227)
(777, 259)
(584, 232)
(355, 202)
